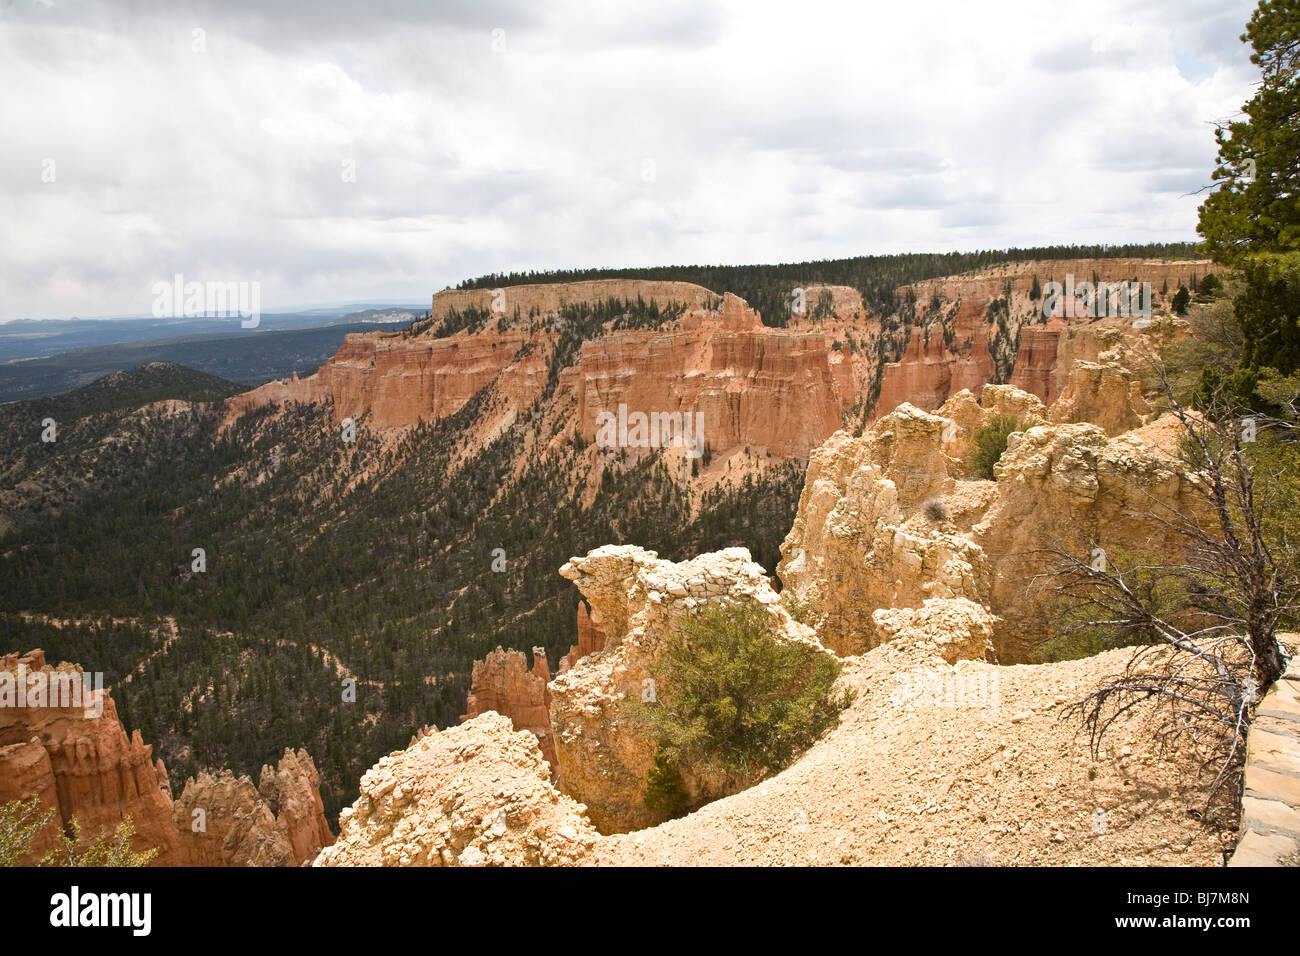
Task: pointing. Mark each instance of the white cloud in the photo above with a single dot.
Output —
(771, 135)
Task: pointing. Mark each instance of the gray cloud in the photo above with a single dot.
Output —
(335, 150)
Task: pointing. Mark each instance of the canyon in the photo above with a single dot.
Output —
(777, 390)
(916, 576)
(898, 563)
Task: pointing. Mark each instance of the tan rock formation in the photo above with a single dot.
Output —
(954, 629)
(472, 795)
(92, 770)
(1107, 395)
(1070, 486)
(861, 540)
(590, 639)
(637, 600)
(223, 820)
(852, 548)
(502, 682)
(291, 790)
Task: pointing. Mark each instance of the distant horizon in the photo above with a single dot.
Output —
(288, 310)
(298, 309)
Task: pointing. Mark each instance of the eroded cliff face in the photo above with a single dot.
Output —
(638, 600)
(864, 538)
(748, 386)
(81, 763)
(934, 368)
(931, 369)
(223, 820)
(504, 683)
(396, 380)
(771, 389)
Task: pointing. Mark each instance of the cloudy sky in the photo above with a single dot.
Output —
(382, 149)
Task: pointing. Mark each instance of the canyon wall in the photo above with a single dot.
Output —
(223, 820)
(399, 380)
(80, 762)
(750, 385)
(778, 390)
(930, 371)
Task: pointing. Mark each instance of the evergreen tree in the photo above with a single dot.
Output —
(1252, 222)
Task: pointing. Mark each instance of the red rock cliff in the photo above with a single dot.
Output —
(81, 762)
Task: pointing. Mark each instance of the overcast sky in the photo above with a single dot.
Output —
(374, 149)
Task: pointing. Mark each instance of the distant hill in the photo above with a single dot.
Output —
(246, 358)
(43, 338)
(149, 383)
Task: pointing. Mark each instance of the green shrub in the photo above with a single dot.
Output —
(665, 792)
(991, 442)
(732, 696)
(21, 820)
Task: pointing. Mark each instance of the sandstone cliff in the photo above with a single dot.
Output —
(223, 820)
(81, 762)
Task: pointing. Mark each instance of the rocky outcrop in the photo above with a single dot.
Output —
(638, 600)
(1105, 394)
(953, 629)
(223, 820)
(81, 762)
(590, 639)
(1270, 805)
(472, 795)
(864, 537)
(852, 548)
(544, 298)
(502, 682)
